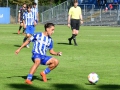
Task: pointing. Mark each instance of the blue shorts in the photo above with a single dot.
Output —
(30, 29)
(43, 58)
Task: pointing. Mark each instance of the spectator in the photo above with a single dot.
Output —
(115, 2)
(98, 2)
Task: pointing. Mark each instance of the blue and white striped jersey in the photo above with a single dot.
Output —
(34, 11)
(41, 43)
(28, 17)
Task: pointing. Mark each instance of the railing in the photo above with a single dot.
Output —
(60, 13)
(91, 16)
(54, 12)
(87, 7)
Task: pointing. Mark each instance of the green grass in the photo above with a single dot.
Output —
(98, 51)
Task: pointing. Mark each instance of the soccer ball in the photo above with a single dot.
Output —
(93, 78)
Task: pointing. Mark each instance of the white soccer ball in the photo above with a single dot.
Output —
(93, 78)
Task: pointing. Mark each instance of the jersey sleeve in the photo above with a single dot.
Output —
(19, 10)
(70, 11)
(33, 38)
(51, 45)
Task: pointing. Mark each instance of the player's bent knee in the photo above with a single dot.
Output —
(56, 62)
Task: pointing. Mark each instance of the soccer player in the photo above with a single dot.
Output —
(42, 41)
(29, 22)
(35, 12)
(74, 20)
(20, 17)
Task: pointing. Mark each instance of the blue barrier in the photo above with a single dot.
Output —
(4, 15)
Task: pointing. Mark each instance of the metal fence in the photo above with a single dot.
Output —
(54, 13)
(15, 8)
(91, 15)
(59, 14)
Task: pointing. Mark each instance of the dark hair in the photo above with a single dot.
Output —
(34, 3)
(29, 6)
(24, 3)
(75, 1)
(48, 25)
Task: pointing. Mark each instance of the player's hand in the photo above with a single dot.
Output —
(19, 20)
(81, 22)
(59, 53)
(35, 23)
(17, 51)
(69, 25)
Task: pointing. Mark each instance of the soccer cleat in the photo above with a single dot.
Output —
(18, 31)
(28, 81)
(69, 41)
(75, 42)
(43, 76)
(27, 46)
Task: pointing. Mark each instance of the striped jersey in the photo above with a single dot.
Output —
(34, 11)
(28, 17)
(41, 43)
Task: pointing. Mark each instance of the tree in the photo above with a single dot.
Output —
(3, 3)
(40, 2)
(20, 2)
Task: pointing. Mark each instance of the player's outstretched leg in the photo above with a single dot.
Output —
(32, 71)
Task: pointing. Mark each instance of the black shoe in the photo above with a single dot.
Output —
(69, 41)
(75, 42)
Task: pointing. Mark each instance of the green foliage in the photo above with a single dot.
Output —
(40, 2)
(20, 2)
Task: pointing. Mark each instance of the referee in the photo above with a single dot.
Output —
(74, 21)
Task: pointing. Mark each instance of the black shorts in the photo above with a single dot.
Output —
(75, 24)
(21, 20)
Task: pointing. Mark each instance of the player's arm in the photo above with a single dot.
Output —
(18, 16)
(37, 16)
(81, 18)
(24, 25)
(69, 17)
(52, 51)
(55, 53)
(23, 45)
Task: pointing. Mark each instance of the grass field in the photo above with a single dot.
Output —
(98, 51)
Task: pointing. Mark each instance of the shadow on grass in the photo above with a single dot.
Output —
(25, 87)
(14, 33)
(63, 43)
(34, 78)
(17, 45)
(67, 87)
(89, 84)
(109, 87)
